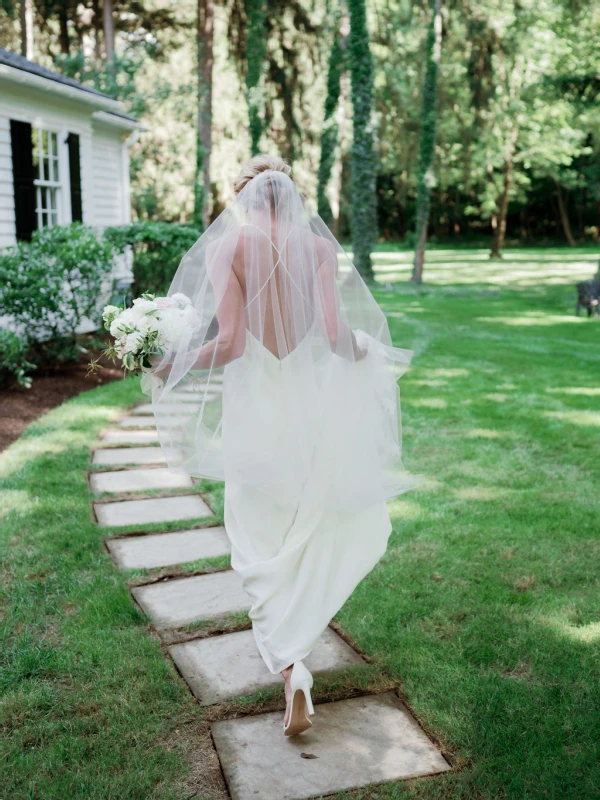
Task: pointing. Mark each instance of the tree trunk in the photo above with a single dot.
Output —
(63, 37)
(500, 230)
(205, 38)
(363, 164)
(97, 24)
(109, 31)
(425, 177)
(336, 180)
(564, 215)
(26, 14)
(330, 130)
(256, 56)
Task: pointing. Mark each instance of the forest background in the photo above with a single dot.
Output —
(516, 115)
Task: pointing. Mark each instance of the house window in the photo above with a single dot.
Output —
(46, 176)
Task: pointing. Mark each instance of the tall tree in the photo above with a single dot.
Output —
(109, 30)
(26, 15)
(425, 178)
(330, 131)
(205, 39)
(256, 54)
(363, 163)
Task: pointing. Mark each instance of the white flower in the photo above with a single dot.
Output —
(144, 306)
(125, 320)
(110, 312)
(190, 316)
(181, 299)
(133, 341)
(148, 324)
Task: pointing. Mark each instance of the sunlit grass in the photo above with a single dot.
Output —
(485, 610)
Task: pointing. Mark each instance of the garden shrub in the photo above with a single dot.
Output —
(51, 285)
(14, 366)
(157, 250)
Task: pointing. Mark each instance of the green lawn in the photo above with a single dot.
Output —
(485, 610)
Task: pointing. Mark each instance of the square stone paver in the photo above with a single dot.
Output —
(166, 549)
(137, 480)
(137, 422)
(171, 604)
(201, 662)
(358, 742)
(119, 456)
(113, 436)
(156, 509)
(166, 408)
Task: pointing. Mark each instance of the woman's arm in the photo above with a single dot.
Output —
(337, 330)
(230, 342)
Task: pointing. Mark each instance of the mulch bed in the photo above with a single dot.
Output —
(19, 407)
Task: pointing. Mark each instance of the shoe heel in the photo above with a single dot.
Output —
(309, 705)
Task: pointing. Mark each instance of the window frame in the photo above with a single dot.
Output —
(49, 214)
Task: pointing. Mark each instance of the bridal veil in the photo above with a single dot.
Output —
(275, 291)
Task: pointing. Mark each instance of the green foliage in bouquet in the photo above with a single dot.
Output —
(157, 250)
(14, 366)
(50, 285)
(147, 343)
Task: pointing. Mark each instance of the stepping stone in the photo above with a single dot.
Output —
(159, 509)
(201, 661)
(137, 422)
(136, 480)
(358, 742)
(194, 397)
(118, 456)
(113, 436)
(166, 549)
(171, 604)
(165, 408)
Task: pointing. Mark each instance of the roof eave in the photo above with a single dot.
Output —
(118, 121)
(68, 92)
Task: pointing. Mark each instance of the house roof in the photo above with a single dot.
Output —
(15, 61)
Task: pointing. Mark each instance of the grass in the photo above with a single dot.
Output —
(485, 610)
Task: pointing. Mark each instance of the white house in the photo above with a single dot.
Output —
(63, 152)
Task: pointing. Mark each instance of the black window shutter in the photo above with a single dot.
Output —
(23, 176)
(75, 177)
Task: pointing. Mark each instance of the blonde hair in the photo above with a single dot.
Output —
(258, 164)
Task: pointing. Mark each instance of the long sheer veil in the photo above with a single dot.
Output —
(290, 364)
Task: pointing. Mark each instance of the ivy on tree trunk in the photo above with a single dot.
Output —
(330, 130)
(363, 165)
(202, 184)
(427, 138)
(256, 56)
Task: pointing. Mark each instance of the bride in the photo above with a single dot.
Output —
(291, 398)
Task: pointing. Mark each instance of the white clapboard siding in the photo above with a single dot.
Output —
(108, 178)
(7, 199)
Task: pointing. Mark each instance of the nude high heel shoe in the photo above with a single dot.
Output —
(302, 709)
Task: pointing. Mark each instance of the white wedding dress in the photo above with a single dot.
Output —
(292, 400)
(299, 556)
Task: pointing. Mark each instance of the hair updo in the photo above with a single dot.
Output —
(258, 164)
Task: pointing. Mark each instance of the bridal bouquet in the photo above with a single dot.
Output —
(147, 328)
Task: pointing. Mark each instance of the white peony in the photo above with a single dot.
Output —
(181, 299)
(125, 320)
(142, 306)
(133, 342)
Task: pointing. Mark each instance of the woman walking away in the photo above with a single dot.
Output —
(292, 400)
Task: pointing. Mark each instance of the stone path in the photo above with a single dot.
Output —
(201, 661)
(167, 549)
(354, 743)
